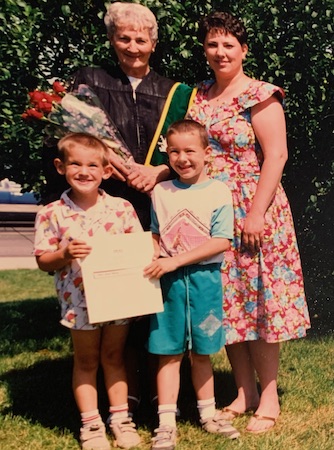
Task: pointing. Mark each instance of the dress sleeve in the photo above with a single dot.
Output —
(258, 92)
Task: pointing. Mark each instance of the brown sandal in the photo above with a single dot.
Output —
(229, 414)
(259, 419)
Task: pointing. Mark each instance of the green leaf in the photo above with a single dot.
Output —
(66, 10)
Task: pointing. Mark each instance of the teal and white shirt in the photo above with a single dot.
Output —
(185, 216)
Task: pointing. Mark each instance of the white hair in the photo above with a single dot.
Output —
(124, 13)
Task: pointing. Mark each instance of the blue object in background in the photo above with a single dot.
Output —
(10, 193)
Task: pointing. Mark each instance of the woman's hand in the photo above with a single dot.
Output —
(252, 235)
(139, 177)
(120, 170)
(144, 178)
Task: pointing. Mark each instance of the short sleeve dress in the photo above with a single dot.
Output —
(264, 292)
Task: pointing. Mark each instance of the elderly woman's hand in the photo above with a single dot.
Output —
(144, 178)
(120, 170)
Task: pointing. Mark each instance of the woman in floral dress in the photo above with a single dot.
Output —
(264, 300)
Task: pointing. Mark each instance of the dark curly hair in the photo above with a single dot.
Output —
(223, 22)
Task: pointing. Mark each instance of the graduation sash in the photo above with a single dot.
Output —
(178, 101)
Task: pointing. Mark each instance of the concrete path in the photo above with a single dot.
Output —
(16, 246)
(17, 237)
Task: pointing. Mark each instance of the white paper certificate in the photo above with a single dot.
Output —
(115, 286)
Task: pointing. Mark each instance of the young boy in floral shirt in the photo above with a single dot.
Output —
(63, 229)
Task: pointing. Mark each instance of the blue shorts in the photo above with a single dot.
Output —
(193, 312)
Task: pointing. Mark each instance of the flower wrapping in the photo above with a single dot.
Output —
(72, 112)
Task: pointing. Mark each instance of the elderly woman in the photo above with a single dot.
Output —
(135, 97)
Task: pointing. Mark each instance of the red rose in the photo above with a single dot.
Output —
(58, 87)
(56, 98)
(36, 96)
(47, 97)
(32, 113)
(44, 106)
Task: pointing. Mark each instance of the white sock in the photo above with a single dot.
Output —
(90, 418)
(167, 415)
(206, 408)
(119, 412)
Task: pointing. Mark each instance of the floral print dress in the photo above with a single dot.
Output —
(263, 292)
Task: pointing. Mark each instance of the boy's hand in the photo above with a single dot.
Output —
(159, 267)
(77, 249)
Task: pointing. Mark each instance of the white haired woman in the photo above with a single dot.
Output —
(135, 97)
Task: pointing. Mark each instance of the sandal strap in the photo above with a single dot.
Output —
(260, 417)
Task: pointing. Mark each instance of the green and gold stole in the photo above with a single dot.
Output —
(178, 101)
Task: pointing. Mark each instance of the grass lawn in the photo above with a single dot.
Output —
(37, 410)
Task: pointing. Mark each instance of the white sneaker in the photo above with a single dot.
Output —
(218, 425)
(164, 439)
(94, 437)
(125, 433)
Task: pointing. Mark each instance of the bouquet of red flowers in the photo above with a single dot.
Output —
(71, 112)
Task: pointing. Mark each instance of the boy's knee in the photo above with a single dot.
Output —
(88, 364)
(115, 359)
(165, 360)
(199, 359)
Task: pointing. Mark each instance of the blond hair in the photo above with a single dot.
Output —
(86, 140)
